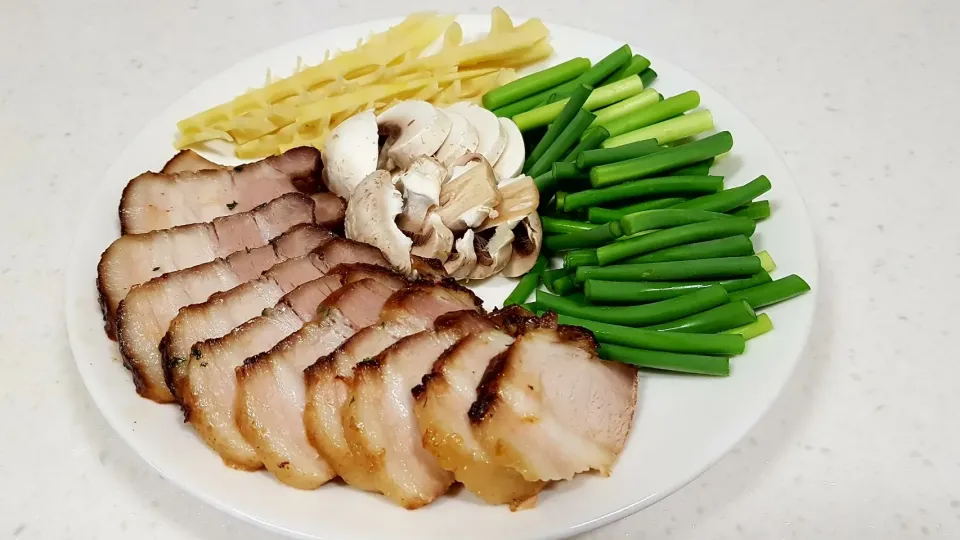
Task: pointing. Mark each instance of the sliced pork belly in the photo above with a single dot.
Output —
(155, 201)
(144, 316)
(223, 312)
(137, 258)
(408, 311)
(442, 402)
(379, 421)
(188, 161)
(209, 390)
(329, 210)
(550, 408)
(271, 391)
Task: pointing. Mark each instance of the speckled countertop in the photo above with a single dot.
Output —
(858, 96)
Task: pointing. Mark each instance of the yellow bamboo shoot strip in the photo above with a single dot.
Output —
(540, 51)
(500, 22)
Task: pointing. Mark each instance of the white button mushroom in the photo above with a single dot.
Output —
(469, 198)
(462, 140)
(527, 237)
(493, 137)
(510, 162)
(464, 258)
(435, 241)
(371, 214)
(493, 251)
(413, 128)
(420, 183)
(351, 153)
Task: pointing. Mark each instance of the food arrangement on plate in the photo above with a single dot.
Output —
(311, 311)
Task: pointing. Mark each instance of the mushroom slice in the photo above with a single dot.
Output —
(527, 237)
(412, 129)
(351, 153)
(421, 191)
(371, 214)
(435, 241)
(494, 250)
(520, 199)
(468, 199)
(464, 258)
(462, 140)
(510, 162)
(493, 137)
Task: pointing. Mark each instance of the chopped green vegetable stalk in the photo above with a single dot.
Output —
(761, 326)
(564, 286)
(714, 344)
(634, 67)
(675, 236)
(565, 170)
(729, 199)
(731, 246)
(656, 112)
(641, 292)
(546, 183)
(756, 211)
(564, 142)
(766, 261)
(664, 160)
(665, 217)
(573, 106)
(630, 106)
(672, 185)
(697, 364)
(718, 319)
(648, 76)
(699, 168)
(597, 236)
(580, 257)
(667, 131)
(773, 292)
(718, 268)
(641, 315)
(602, 156)
(603, 215)
(600, 97)
(527, 284)
(535, 83)
(553, 225)
(591, 139)
(606, 66)
(549, 277)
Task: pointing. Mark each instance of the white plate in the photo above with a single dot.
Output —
(683, 426)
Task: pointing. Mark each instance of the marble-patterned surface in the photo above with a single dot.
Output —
(857, 95)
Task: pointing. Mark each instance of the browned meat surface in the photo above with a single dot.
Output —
(188, 161)
(154, 201)
(137, 258)
(329, 210)
(549, 407)
(144, 315)
(428, 269)
(225, 311)
(442, 402)
(408, 311)
(271, 390)
(379, 421)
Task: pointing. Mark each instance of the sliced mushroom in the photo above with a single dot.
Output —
(351, 153)
(421, 191)
(527, 237)
(435, 241)
(412, 129)
(493, 137)
(469, 198)
(371, 214)
(510, 162)
(494, 250)
(462, 140)
(464, 258)
(520, 199)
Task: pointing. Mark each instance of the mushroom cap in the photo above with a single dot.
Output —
(520, 199)
(462, 140)
(351, 153)
(413, 128)
(493, 252)
(493, 137)
(420, 183)
(435, 241)
(463, 260)
(510, 162)
(470, 197)
(528, 237)
(371, 214)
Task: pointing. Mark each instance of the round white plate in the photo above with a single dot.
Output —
(683, 425)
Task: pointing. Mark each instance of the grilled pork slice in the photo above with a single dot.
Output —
(379, 421)
(550, 408)
(271, 391)
(137, 258)
(144, 315)
(225, 311)
(329, 210)
(188, 161)
(442, 402)
(408, 311)
(210, 388)
(153, 201)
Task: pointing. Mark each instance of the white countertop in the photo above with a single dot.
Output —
(860, 98)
